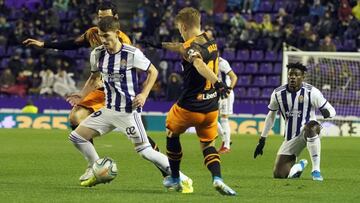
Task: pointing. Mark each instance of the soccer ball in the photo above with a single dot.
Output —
(105, 169)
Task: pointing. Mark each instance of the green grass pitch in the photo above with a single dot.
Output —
(43, 166)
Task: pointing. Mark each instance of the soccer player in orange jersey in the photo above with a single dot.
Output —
(198, 103)
(95, 100)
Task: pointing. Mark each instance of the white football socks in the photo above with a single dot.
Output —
(158, 158)
(314, 148)
(85, 147)
(226, 132)
(220, 130)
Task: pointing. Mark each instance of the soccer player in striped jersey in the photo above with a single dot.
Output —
(226, 75)
(117, 64)
(96, 99)
(297, 102)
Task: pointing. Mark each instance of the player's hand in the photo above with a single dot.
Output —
(151, 43)
(222, 89)
(33, 42)
(139, 101)
(259, 147)
(74, 99)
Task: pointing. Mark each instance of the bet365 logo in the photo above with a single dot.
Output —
(8, 122)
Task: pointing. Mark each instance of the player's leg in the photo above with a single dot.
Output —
(78, 114)
(226, 109)
(207, 132)
(283, 164)
(313, 144)
(177, 121)
(156, 148)
(83, 133)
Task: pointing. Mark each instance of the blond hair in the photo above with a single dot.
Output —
(189, 16)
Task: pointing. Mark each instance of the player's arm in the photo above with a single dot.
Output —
(140, 99)
(202, 68)
(233, 79)
(90, 85)
(269, 123)
(326, 109)
(174, 46)
(61, 45)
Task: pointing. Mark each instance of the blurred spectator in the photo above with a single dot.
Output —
(248, 35)
(15, 63)
(301, 10)
(327, 45)
(61, 5)
(326, 25)
(344, 12)
(317, 9)
(356, 10)
(174, 87)
(282, 17)
(247, 6)
(290, 37)
(312, 44)
(163, 32)
(34, 84)
(63, 83)
(266, 25)
(305, 34)
(4, 10)
(30, 108)
(274, 41)
(238, 22)
(29, 66)
(47, 81)
(4, 30)
(345, 77)
(7, 78)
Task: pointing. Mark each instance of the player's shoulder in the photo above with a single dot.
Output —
(92, 30)
(129, 48)
(98, 50)
(308, 86)
(124, 38)
(279, 89)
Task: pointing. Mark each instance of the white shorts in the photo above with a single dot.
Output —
(226, 105)
(293, 146)
(106, 120)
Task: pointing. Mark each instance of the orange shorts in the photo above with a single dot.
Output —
(179, 120)
(95, 100)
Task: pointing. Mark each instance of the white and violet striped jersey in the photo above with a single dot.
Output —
(224, 69)
(119, 75)
(298, 108)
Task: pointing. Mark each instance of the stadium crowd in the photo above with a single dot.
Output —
(240, 26)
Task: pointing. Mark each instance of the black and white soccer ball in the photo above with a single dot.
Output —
(105, 169)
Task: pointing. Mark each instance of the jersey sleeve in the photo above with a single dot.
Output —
(317, 98)
(192, 52)
(273, 105)
(224, 66)
(94, 61)
(140, 60)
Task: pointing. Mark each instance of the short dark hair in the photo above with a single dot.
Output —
(106, 5)
(297, 65)
(109, 23)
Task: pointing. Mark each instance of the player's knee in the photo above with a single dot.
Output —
(279, 174)
(312, 129)
(224, 116)
(171, 134)
(142, 149)
(78, 114)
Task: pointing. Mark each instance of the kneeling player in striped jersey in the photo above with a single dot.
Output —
(297, 102)
(117, 64)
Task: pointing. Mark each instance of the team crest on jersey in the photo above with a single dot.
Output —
(123, 64)
(301, 99)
